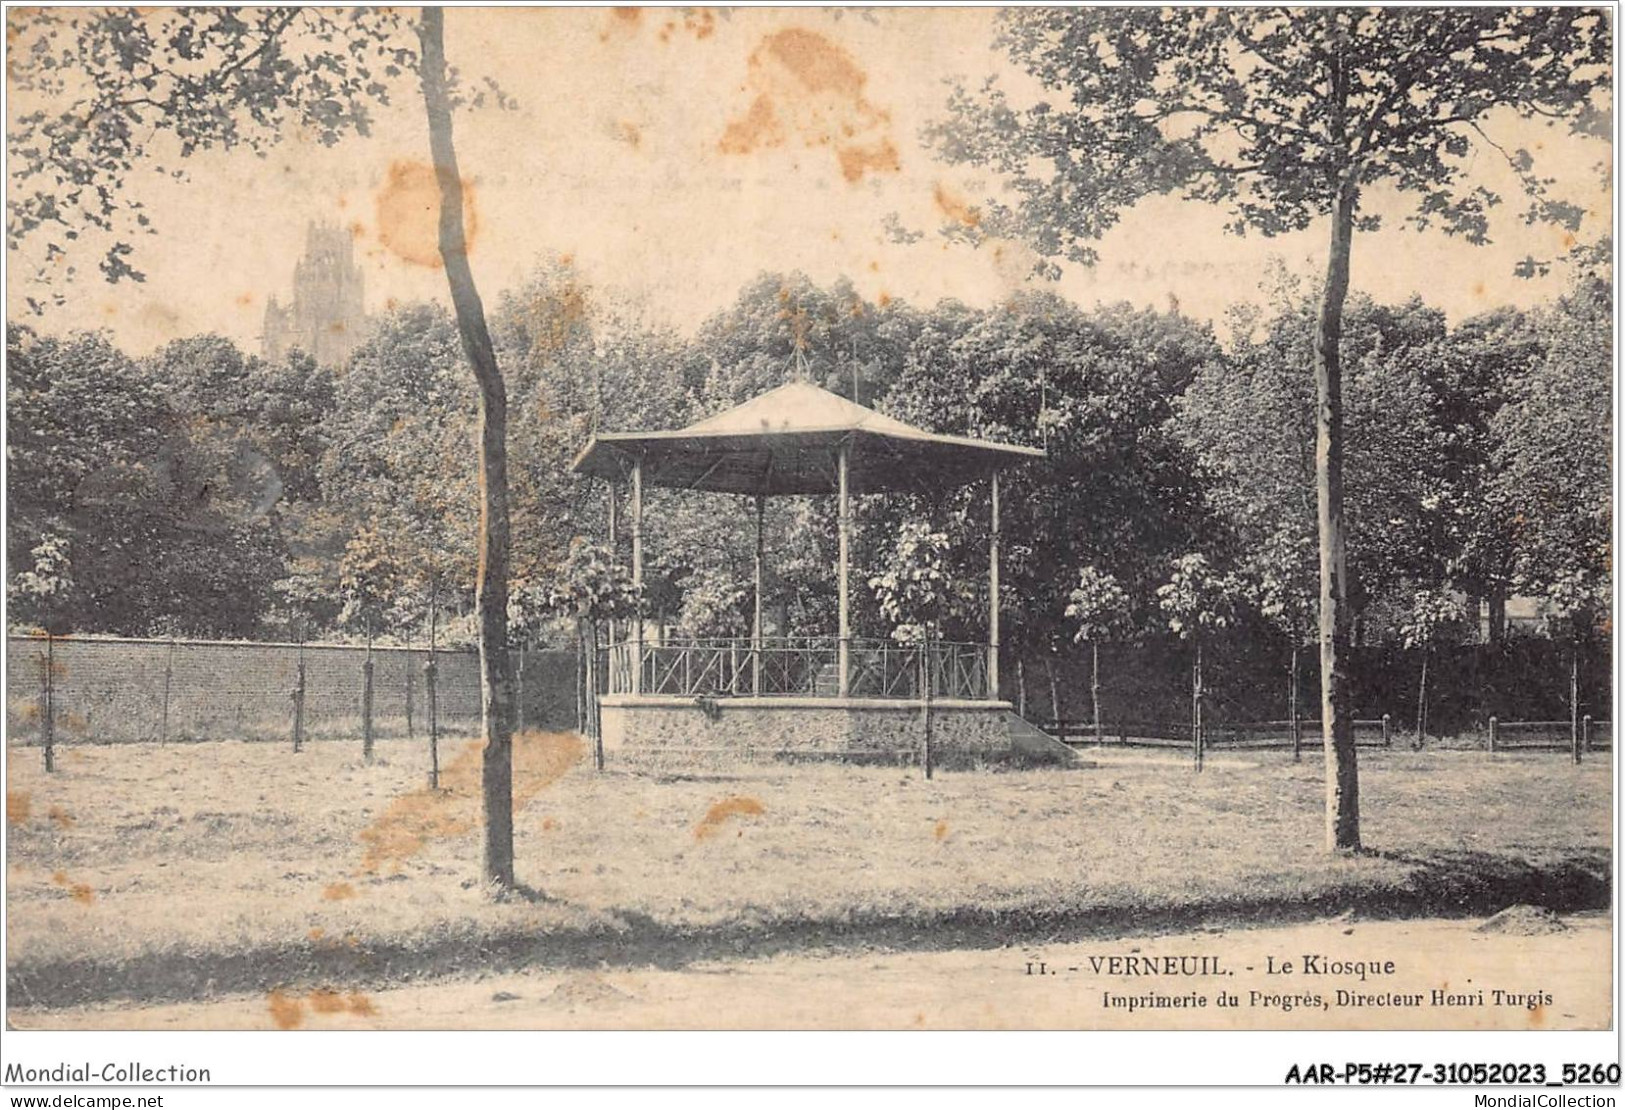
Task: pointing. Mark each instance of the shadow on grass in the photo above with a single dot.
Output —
(1462, 883)
(1438, 884)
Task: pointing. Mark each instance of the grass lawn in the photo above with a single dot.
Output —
(181, 870)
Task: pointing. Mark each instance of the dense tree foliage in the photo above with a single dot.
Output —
(1550, 449)
(161, 505)
(1478, 462)
(1095, 390)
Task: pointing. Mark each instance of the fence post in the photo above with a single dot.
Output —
(1574, 702)
(47, 703)
(1495, 728)
(1387, 731)
(925, 699)
(411, 680)
(299, 699)
(520, 680)
(169, 676)
(1585, 733)
(595, 720)
(366, 704)
(429, 671)
(1296, 724)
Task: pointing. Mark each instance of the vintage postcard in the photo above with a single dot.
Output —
(1079, 518)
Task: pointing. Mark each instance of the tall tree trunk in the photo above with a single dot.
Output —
(1054, 691)
(491, 577)
(1337, 723)
(1021, 688)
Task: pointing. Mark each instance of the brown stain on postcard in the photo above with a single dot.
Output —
(19, 806)
(758, 128)
(326, 1001)
(955, 207)
(408, 213)
(286, 1011)
(858, 160)
(719, 814)
(629, 133)
(820, 65)
(626, 23)
(332, 1002)
(79, 892)
(808, 89)
(413, 820)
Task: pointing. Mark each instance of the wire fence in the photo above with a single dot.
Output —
(115, 690)
(67, 690)
(1575, 736)
(1249, 679)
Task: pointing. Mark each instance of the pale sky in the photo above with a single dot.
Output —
(675, 157)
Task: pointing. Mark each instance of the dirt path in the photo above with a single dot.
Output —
(1559, 980)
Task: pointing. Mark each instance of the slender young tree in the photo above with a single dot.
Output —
(591, 588)
(1433, 617)
(1100, 609)
(1283, 116)
(1579, 598)
(497, 708)
(1197, 601)
(39, 592)
(917, 592)
(370, 584)
(1283, 586)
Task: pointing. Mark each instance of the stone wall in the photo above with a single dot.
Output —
(750, 729)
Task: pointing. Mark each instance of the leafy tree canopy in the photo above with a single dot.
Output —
(1264, 110)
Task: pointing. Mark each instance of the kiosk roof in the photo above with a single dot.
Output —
(786, 441)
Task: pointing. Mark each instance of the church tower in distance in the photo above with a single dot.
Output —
(327, 318)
